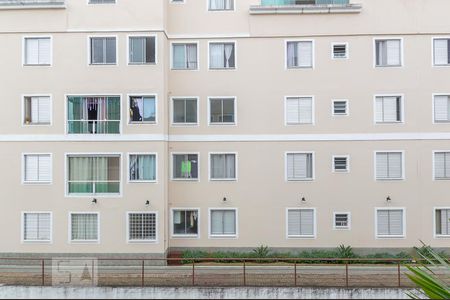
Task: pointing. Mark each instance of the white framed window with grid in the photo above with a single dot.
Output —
(36, 227)
(37, 51)
(223, 223)
(442, 222)
(37, 168)
(142, 227)
(390, 222)
(301, 223)
(389, 165)
(84, 227)
(441, 165)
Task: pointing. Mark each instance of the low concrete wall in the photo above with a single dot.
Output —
(18, 292)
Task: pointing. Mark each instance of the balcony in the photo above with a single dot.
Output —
(305, 7)
(32, 4)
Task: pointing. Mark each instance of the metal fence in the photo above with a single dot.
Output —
(204, 272)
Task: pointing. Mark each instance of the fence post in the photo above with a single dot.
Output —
(346, 274)
(295, 273)
(398, 270)
(143, 274)
(193, 273)
(43, 272)
(245, 278)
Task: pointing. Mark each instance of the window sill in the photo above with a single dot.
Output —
(389, 66)
(300, 68)
(34, 4)
(301, 237)
(222, 69)
(390, 179)
(442, 236)
(391, 236)
(142, 123)
(184, 124)
(37, 242)
(185, 236)
(186, 179)
(112, 64)
(37, 65)
(301, 180)
(81, 242)
(142, 64)
(305, 9)
(223, 179)
(36, 124)
(223, 236)
(142, 241)
(37, 182)
(186, 69)
(142, 181)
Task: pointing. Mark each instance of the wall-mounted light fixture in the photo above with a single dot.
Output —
(224, 199)
(303, 199)
(94, 201)
(147, 203)
(388, 199)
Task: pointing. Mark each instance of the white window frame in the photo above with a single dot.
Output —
(129, 122)
(347, 51)
(130, 241)
(23, 240)
(23, 97)
(293, 237)
(402, 107)
(432, 51)
(333, 165)
(91, 154)
(24, 50)
(172, 154)
(402, 178)
(347, 106)
(402, 54)
(235, 167)
(313, 56)
(402, 236)
(349, 220)
(66, 109)
(313, 111)
(435, 235)
(433, 161)
(185, 43)
(235, 55)
(218, 10)
(173, 235)
(24, 181)
(144, 35)
(128, 167)
(177, 1)
(172, 111)
(227, 236)
(89, 54)
(433, 112)
(235, 123)
(313, 157)
(97, 241)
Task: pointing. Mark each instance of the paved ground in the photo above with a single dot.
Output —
(225, 275)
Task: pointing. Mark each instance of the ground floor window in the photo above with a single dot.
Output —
(223, 222)
(142, 227)
(185, 222)
(84, 227)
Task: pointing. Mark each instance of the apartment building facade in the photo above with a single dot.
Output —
(136, 127)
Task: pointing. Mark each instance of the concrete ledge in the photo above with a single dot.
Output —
(18, 292)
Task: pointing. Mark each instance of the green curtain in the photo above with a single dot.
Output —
(80, 175)
(75, 113)
(113, 114)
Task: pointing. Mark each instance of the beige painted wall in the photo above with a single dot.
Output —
(260, 84)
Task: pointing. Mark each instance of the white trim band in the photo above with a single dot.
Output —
(228, 137)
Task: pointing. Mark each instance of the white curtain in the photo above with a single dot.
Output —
(291, 54)
(228, 53)
(216, 54)
(191, 54)
(179, 57)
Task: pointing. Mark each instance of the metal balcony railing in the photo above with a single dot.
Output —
(303, 2)
(305, 7)
(17, 4)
